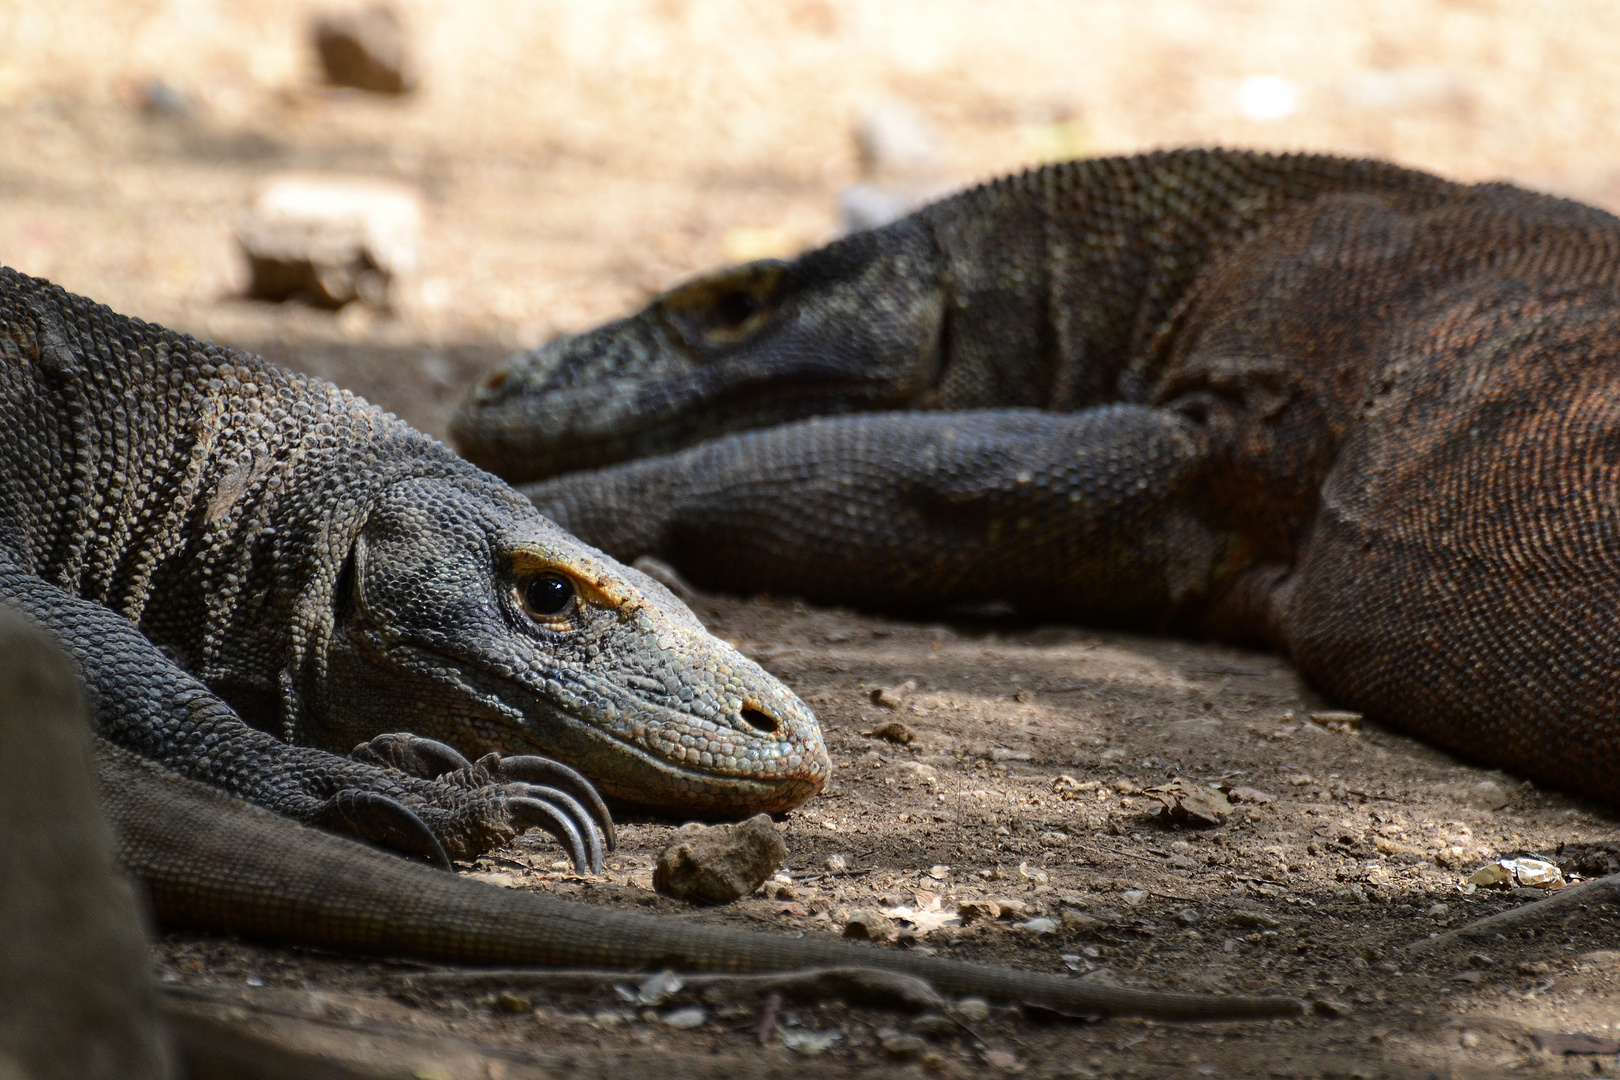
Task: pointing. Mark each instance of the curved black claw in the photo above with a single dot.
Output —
(378, 819)
(411, 754)
(560, 815)
(534, 769)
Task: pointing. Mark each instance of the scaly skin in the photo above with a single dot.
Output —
(1355, 411)
(254, 572)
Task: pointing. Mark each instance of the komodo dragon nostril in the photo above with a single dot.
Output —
(759, 720)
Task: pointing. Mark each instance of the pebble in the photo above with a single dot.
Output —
(509, 1002)
(1040, 926)
(685, 1018)
(899, 1046)
(367, 49)
(837, 864)
(330, 240)
(939, 872)
(893, 138)
(896, 732)
(971, 911)
(1134, 897)
(1488, 795)
(972, 1010)
(863, 924)
(892, 697)
(720, 863)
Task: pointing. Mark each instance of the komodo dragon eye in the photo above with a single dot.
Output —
(735, 308)
(546, 596)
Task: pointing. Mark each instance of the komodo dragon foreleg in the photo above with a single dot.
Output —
(1090, 515)
(143, 699)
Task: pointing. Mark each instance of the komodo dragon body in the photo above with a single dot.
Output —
(1362, 413)
(255, 572)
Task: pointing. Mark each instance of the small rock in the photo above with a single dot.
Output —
(864, 924)
(939, 872)
(1335, 1009)
(1488, 795)
(1480, 960)
(894, 731)
(971, 911)
(1491, 875)
(685, 1018)
(1031, 874)
(1078, 922)
(972, 1010)
(1039, 926)
(1468, 1040)
(1005, 1060)
(1134, 897)
(366, 49)
(1012, 907)
(916, 770)
(1344, 721)
(718, 864)
(1250, 795)
(893, 697)
(508, 1002)
(1439, 912)
(836, 863)
(898, 1046)
(330, 240)
(1192, 804)
(1451, 857)
(1001, 753)
(894, 139)
(1054, 839)
(807, 1043)
(1189, 916)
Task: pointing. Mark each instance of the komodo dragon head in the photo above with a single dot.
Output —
(853, 326)
(462, 615)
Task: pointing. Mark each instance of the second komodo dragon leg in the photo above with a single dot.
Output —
(1090, 515)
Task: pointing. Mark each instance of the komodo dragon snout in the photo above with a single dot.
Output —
(746, 347)
(506, 632)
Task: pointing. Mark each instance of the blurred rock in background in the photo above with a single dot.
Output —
(367, 49)
(331, 240)
(898, 152)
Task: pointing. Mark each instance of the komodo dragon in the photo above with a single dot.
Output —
(1358, 412)
(255, 573)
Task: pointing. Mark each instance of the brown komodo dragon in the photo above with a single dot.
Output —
(251, 571)
(1359, 412)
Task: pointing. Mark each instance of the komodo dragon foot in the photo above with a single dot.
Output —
(545, 793)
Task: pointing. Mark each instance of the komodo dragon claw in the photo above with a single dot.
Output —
(557, 798)
(386, 822)
(545, 772)
(414, 755)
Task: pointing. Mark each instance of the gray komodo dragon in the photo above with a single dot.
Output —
(255, 573)
(249, 570)
(1359, 412)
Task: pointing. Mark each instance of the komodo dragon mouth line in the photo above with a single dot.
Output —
(626, 772)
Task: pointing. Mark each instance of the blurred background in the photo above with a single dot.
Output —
(435, 183)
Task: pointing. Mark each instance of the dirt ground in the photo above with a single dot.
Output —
(576, 157)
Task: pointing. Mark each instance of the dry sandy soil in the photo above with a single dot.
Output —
(575, 158)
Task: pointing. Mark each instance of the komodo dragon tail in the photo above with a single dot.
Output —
(214, 863)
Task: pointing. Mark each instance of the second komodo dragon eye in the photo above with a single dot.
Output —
(547, 595)
(735, 308)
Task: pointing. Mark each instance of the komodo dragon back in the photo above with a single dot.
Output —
(1358, 412)
(256, 573)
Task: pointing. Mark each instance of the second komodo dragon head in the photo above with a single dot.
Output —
(850, 327)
